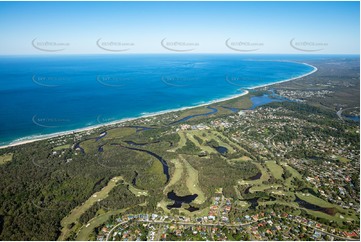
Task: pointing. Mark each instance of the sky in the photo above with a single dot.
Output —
(179, 27)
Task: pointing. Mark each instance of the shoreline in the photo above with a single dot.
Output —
(142, 115)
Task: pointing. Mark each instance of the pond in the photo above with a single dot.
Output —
(179, 200)
(102, 135)
(129, 142)
(134, 181)
(247, 190)
(353, 118)
(77, 146)
(222, 150)
(134, 143)
(253, 202)
(307, 205)
(214, 110)
(191, 208)
(255, 177)
(265, 99)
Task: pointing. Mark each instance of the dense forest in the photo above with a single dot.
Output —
(42, 184)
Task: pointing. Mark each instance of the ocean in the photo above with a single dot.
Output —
(42, 95)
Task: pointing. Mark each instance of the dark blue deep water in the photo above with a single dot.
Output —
(48, 94)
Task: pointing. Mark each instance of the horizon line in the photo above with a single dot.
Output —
(174, 53)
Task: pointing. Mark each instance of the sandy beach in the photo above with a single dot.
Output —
(31, 139)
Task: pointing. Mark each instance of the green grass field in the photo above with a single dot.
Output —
(137, 192)
(89, 146)
(86, 230)
(243, 102)
(181, 143)
(214, 135)
(314, 200)
(194, 111)
(339, 217)
(263, 187)
(184, 180)
(232, 142)
(275, 169)
(204, 147)
(62, 147)
(244, 158)
(119, 132)
(264, 177)
(78, 211)
(343, 159)
(5, 158)
(175, 178)
(294, 174)
(192, 182)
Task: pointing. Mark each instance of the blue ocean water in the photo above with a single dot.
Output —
(42, 95)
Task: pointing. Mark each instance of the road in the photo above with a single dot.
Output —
(325, 232)
(199, 224)
(180, 223)
(111, 231)
(226, 225)
(339, 112)
(219, 209)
